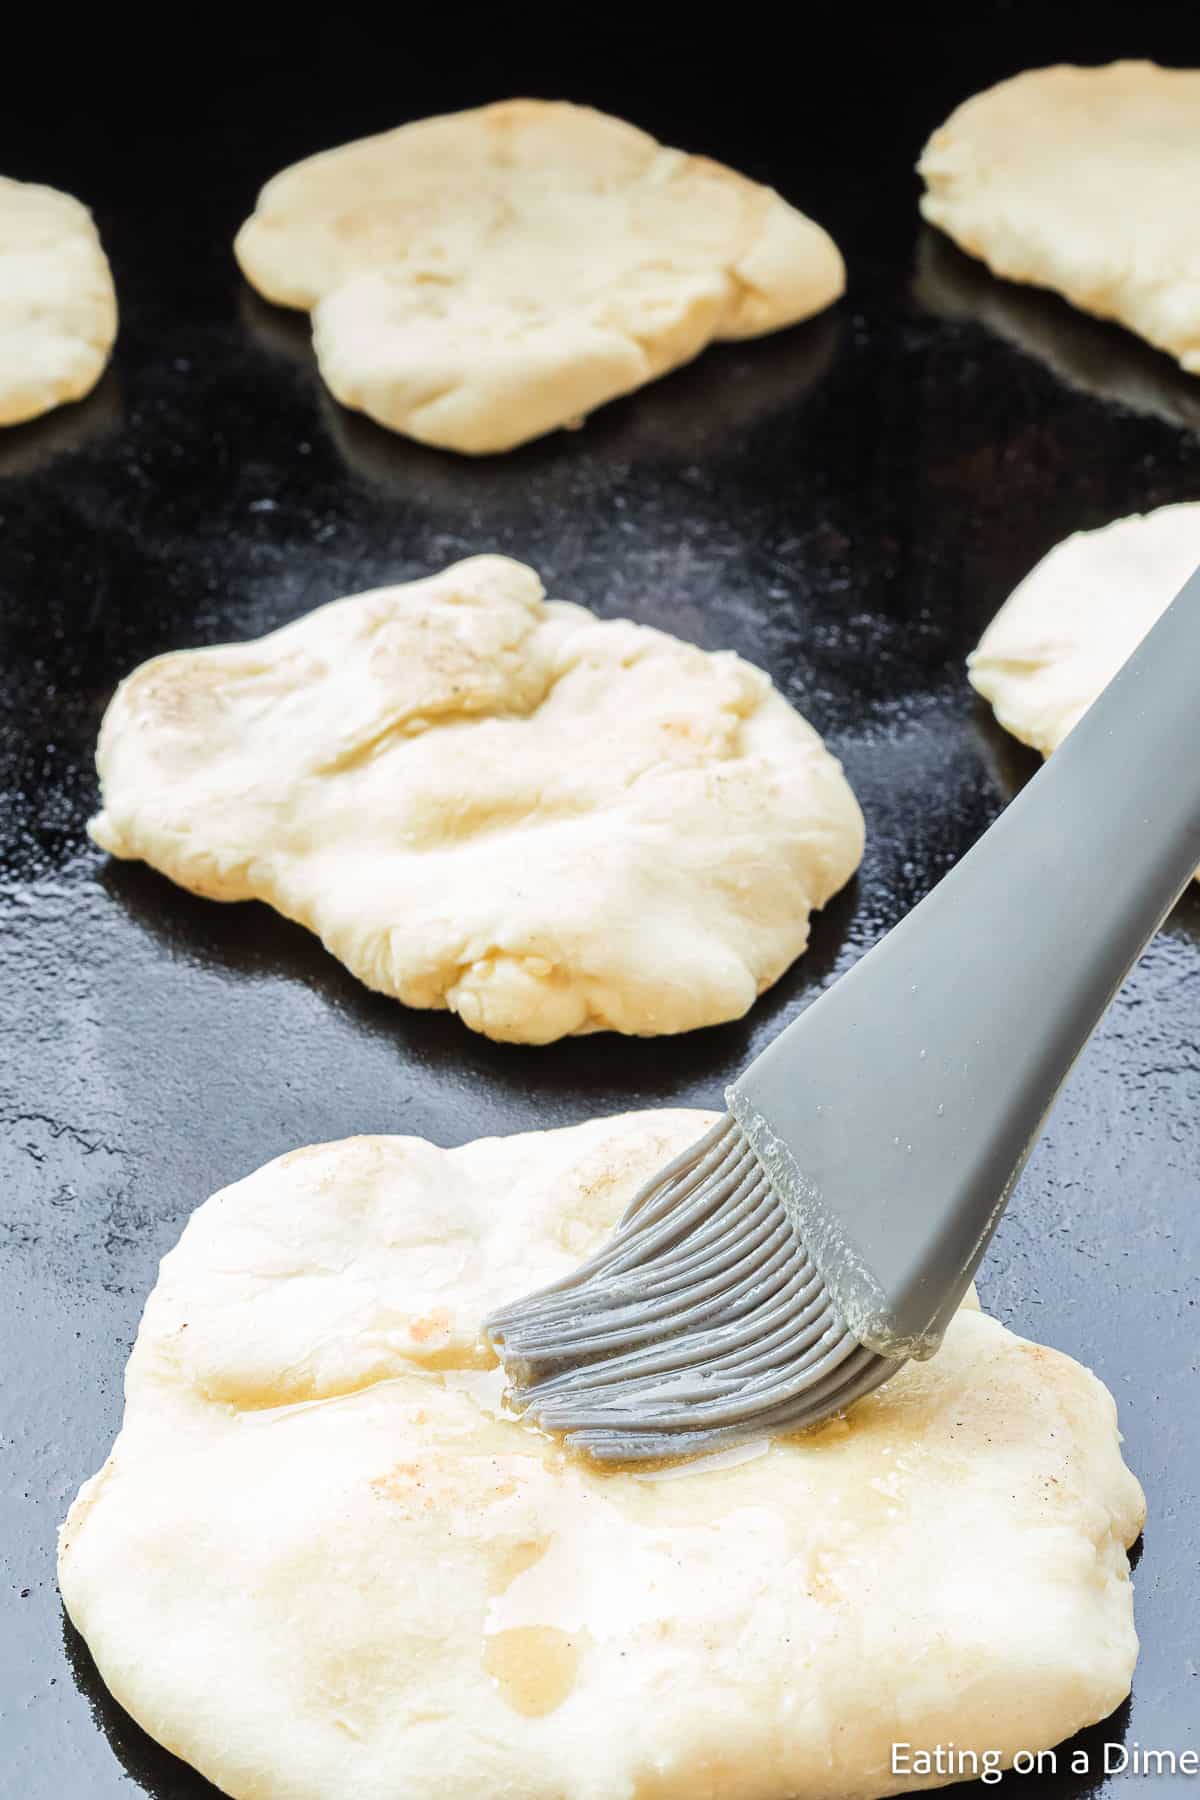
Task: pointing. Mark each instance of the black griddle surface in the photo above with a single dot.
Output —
(846, 504)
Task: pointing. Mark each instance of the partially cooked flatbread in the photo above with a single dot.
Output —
(488, 801)
(1077, 618)
(477, 279)
(322, 1562)
(58, 310)
(1083, 180)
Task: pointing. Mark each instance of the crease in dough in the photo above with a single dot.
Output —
(1077, 618)
(478, 279)
(1083, 180)
(485, 800)
(321, 1559)
(58, 307)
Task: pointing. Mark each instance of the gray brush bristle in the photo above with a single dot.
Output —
(701, 1323)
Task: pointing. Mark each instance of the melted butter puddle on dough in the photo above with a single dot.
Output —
(534, 1667)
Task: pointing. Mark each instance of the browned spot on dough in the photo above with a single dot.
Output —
(437, 1322)
(404, 1483)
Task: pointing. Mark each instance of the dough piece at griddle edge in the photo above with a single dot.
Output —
(1078, 616)
(481, 278)
(1083, 180)
(320, 1561)
(58, 308)
(484, 800)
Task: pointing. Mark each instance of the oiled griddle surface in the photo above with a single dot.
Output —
(846, 504)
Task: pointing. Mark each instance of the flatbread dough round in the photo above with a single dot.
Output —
(58, 309)
(1078, 616)
(320, 1561)
(1083, 180)
(478, 279)
(487, 801)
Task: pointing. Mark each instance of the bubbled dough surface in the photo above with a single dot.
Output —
(477, 279)
(58, 310)
(488, 801)
(320, 1561)
(1078, 616)
(1083, 180)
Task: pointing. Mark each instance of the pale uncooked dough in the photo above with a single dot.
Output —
(1078, 616)
(477, 279)
(320, 1561)
(58, 310)
(1083, 180)
(483, 800)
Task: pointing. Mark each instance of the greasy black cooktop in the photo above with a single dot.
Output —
(846, 504)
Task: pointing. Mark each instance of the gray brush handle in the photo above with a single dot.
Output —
(895, 1114)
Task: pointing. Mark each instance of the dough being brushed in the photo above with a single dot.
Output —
(321, 1561)
(484, 800)
(58, 310)
(1083, 180)
(480, 278)
(1079, 614)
